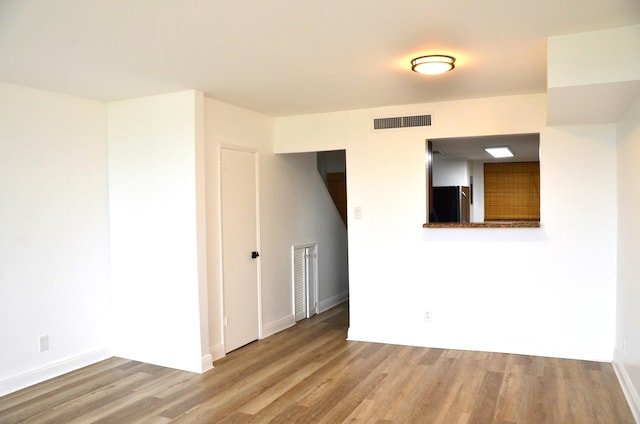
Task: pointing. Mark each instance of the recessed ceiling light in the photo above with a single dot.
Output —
(433, 64)
(499, 152)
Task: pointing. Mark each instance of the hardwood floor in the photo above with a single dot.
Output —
(311, 374)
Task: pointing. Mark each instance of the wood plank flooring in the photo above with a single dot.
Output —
(311, 374)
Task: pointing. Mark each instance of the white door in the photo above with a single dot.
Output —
(305, 281)
(300, 282)
(239, 244)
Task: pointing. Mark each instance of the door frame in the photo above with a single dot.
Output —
(228, 146)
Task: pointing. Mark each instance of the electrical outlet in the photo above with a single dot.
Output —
(43, 343)
(428, 316)
(624, 348)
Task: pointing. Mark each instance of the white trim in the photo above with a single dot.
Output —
(207, 363)
(293, 281)
(217, 352)
(220, 270)
(276, 326)
(236, 147)
(55, 369)
(630, 392)
(389, 336)
(332, 302)
(256, 161)
(315, 308)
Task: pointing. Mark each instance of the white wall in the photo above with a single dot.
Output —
(627, 357)
(54, 237)
(295, 208)
(156, 187)
(531, 291)
(592, 77)
(54, 240)
(596, 57)
(229, 126)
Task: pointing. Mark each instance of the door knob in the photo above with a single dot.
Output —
(254, 255)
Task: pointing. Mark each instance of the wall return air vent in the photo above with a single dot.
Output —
(402, 122)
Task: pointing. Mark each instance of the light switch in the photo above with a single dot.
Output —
(357, 212)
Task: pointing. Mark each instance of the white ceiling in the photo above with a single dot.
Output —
(285, 57)
(525, 147)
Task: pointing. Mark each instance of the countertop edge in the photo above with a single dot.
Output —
(514, 224)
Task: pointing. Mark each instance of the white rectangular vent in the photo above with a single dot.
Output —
(402, 122)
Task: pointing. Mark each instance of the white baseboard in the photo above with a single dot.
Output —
(274, 327)
(217, 352)
(334, 301)
(412, 338)
(630, 392)
(56, 369)
(207, 363)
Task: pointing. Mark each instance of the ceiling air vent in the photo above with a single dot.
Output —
(402, 122)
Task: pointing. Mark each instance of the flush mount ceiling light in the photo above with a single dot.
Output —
(433, 64)
(499, 152)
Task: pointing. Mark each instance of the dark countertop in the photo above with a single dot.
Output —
(496, 224)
